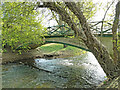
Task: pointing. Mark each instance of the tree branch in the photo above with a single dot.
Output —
(104, 17)
(97, 48)
(65, 17)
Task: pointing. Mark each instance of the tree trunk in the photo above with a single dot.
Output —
(114, 31)
(86, 35)
(60, 22)
(93, 44)
(116, 39)
(119, 46)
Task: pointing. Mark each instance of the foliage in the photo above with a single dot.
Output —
(118, 41)
(87, 6)
(19, 25)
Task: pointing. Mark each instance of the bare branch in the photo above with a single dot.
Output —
(105, 16)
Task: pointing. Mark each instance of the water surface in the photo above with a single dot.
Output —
(74, 72)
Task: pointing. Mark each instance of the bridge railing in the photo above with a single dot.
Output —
(95, 27)
(59, 30)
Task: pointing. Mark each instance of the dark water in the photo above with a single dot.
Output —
(74, 72)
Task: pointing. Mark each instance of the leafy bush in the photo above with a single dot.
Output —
(20, 26)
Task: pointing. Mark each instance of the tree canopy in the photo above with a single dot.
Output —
(20, 26)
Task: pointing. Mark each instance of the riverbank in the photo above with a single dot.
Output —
(110, 84)
(52, 51)
(73, 72)
(58, 50)
(46, 51)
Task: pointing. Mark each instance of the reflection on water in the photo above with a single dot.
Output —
(74, 72)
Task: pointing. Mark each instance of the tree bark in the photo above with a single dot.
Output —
(86, 35)
(114, 31)
(65, 17)
(119, 46)
(60, 22)
(93, 44)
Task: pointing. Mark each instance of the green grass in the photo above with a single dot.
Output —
(49, 48)
(73, 50)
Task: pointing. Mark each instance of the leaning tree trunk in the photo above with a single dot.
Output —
(93, 44)
(86, 35)
(60, 22)
(62, 28)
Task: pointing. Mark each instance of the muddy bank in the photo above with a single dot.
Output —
(10, 56)
(73, 72)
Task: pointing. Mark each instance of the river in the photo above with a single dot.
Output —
(74, 72)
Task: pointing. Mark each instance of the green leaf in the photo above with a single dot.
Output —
(19, 21)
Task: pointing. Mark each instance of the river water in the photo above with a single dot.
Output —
(74, 72)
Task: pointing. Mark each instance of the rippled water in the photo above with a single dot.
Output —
(74, 72)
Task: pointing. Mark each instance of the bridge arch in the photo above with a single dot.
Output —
(68, 45)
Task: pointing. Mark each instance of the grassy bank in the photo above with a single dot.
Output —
(60, 50)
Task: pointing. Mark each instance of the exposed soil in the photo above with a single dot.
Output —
(10, 56)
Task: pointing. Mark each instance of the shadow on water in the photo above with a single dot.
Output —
(75, 72)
